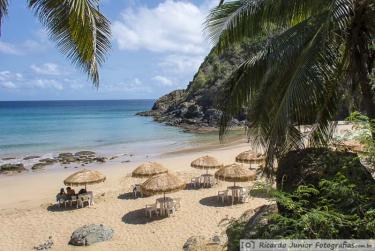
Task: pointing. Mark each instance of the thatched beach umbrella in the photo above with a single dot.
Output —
(162, 184)
(351, 146)
(235, 173)
(149, 169)
(249, 157)
(84, 177)
(206, 162)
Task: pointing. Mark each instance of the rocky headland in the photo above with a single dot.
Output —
(197, 107)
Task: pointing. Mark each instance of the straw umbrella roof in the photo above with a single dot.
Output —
(84, 177)
(250, 157)
(206, 162)
(162, 183)
(149, 169)
(235, 173)
(350, 145)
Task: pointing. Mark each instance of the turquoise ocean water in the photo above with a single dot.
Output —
(39, 127)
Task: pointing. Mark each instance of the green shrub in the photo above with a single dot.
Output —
(335, 209)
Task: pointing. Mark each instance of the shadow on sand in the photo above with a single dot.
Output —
(211, 202)
(127, 196)
(56, 208)
(138, 217)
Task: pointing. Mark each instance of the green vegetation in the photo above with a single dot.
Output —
(325, 194)
(79, 29)
(335, 209)
(365, 128)
(313, 56)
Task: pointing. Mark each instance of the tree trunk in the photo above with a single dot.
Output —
(363, 58)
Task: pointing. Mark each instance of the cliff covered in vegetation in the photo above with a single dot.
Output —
(197, 106)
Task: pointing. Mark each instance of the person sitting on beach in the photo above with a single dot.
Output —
(70, 192)
(61, 195)
(82, 191)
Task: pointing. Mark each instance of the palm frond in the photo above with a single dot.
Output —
(232, 21)
(3, 11)
(81, 32)
(285, 85)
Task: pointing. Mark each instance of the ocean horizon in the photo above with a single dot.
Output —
(107, 126)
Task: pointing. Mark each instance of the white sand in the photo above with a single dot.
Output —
(25, 220)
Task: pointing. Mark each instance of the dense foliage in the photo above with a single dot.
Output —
(364, 128)
(314, 54)
(334, 209)
(326, 194)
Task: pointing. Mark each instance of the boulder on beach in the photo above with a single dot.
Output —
(90, 234)
(64, 155)
(8, 158)
(12, 168)
(201, 243)
(100, 159)
(38, 166)
(311, 165)
(48, 161)
(84, 153)
(31, 157)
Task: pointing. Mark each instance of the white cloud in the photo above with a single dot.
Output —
(172, 26)
(7, 85)
(39, 42)
(7, 48)
(176, 63)
(134, 85)
(46, 69)
(10, 76)
(47, 83)
(164, 81)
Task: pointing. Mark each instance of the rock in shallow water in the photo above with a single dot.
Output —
(12, 168)
(84, 153)
(38, 166)
(31, 157)
(90, 234)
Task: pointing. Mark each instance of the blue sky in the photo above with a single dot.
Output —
(157, 46)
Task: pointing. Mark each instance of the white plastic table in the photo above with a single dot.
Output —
(206, 179)
(235, 191)
(163, 202)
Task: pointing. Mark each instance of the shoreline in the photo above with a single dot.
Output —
(8, 181)
(28, 218)
(117, 154)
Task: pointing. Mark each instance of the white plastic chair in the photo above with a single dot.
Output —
(62, 201)
(177, 203)
(223, 195)
(170, 209)
(150, 209)
(244, 195)
(73, 198)
(212, 181)
(137, 189)
(196, 182)
(82, 199)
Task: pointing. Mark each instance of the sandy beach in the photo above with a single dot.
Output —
(28, 218)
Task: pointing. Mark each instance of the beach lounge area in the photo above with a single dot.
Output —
(163, 218)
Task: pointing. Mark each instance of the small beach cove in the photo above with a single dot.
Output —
(25, 210)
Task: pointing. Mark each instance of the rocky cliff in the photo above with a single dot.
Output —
(196, 107)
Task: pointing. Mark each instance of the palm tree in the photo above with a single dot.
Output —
(314, 55)
(80, 31)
